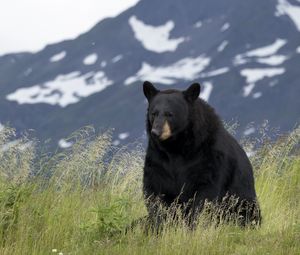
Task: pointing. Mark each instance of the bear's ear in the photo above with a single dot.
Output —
(149, 90)
(193, 92)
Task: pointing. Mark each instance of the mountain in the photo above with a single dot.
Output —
(246, 55)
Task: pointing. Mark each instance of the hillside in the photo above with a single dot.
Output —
(89, 200)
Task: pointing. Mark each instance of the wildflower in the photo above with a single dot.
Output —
(54, 250)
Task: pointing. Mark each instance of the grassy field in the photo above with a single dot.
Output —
(80, 202)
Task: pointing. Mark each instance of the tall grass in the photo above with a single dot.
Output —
(81, 201)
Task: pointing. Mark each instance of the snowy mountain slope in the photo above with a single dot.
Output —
(245, 54)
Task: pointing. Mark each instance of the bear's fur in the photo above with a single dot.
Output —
(191, 159)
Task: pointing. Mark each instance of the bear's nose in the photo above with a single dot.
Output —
(155, 132)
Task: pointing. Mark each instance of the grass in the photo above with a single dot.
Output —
(81, 200)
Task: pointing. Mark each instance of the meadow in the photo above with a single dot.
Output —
(81, 201)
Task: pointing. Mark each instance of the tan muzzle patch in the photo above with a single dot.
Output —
(166, 132)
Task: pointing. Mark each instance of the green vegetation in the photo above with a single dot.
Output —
(81, 201)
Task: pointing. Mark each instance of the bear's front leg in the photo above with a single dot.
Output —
(156, 212)
(197, 203)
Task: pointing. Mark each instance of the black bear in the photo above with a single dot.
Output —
(191, 159)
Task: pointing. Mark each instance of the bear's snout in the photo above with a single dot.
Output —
(163, 132)
(155, 132)
(166, 131)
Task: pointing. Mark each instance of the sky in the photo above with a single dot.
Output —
(29, 25)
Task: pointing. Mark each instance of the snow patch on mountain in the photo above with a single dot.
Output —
(267, 50)
(1, 127)
(153, 38)
(222, 46)
(123, 136)
(215, 72)
(273, 60)
(256, 74)
(240, 60)
(264, 54)
(225, 27)
(206, 90)
(64, 144)
(90, 59)
(63, 90)
(293, 11)
(58, 57)
(28, 71)
(117, 58)
(264, 51)
(116, 142)
(184, 69)
(248, 89)
(249, 131)
(257, 95)
(273, 83)
(198, 24)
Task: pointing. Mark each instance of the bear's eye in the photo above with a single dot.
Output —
(154, 114)
(168, 114)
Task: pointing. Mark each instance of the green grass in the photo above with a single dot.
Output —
(90, 198)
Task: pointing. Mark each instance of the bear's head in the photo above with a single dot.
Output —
(168, 110)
